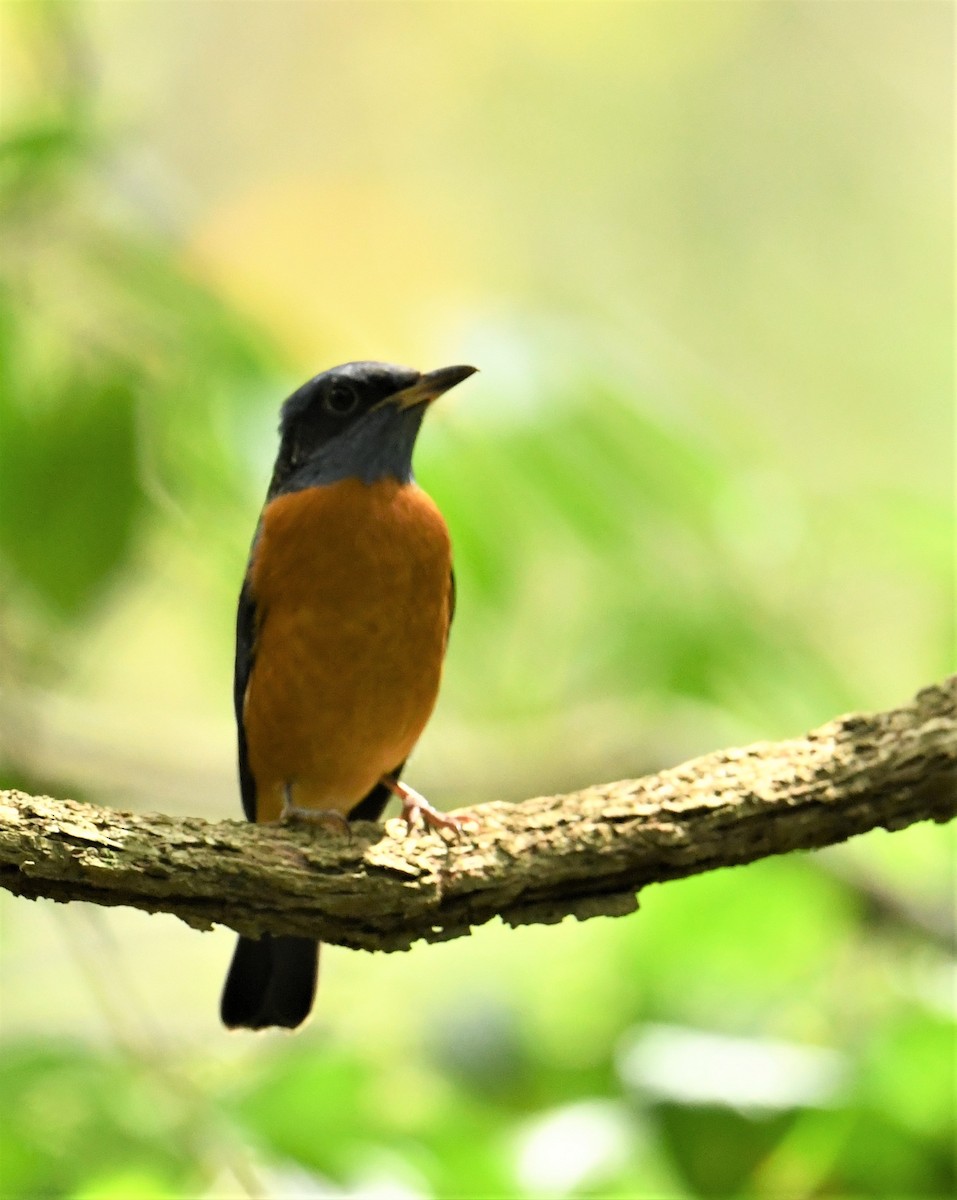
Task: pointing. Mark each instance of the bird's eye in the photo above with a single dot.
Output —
(341, 399)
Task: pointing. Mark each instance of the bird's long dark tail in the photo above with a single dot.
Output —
(271, 981)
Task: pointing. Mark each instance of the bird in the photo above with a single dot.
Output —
(341, 630)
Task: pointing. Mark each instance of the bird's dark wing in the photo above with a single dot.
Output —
(370, 807)
(245, 650)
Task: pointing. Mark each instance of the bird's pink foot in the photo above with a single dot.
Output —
(415, 807)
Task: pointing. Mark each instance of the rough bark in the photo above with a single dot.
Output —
(585, 854)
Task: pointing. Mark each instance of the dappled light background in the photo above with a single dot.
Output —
(699, 495)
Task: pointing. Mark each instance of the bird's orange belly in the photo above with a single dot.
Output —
(352, 585)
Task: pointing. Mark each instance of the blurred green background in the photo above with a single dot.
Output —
(700, 494)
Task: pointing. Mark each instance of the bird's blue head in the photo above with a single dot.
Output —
(358, 421)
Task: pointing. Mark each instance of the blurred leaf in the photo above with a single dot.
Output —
(129, 1185)
(702, 948)
(717, 1150)
(880, 1158)
(464, 1150)
(909, 1075)
(65, 524)
(327, 1110)
(75, 1113)
(35, 161)
(123, 377)
(577, 1149)
(313, 1107)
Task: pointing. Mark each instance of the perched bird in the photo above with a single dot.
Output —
(343, 620)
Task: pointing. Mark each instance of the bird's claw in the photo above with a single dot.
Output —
(416, 808)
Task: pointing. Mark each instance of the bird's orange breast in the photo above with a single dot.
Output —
(352, 586)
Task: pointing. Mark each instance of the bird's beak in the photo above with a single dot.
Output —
(430, 386)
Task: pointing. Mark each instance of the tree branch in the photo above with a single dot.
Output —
(584, 854)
